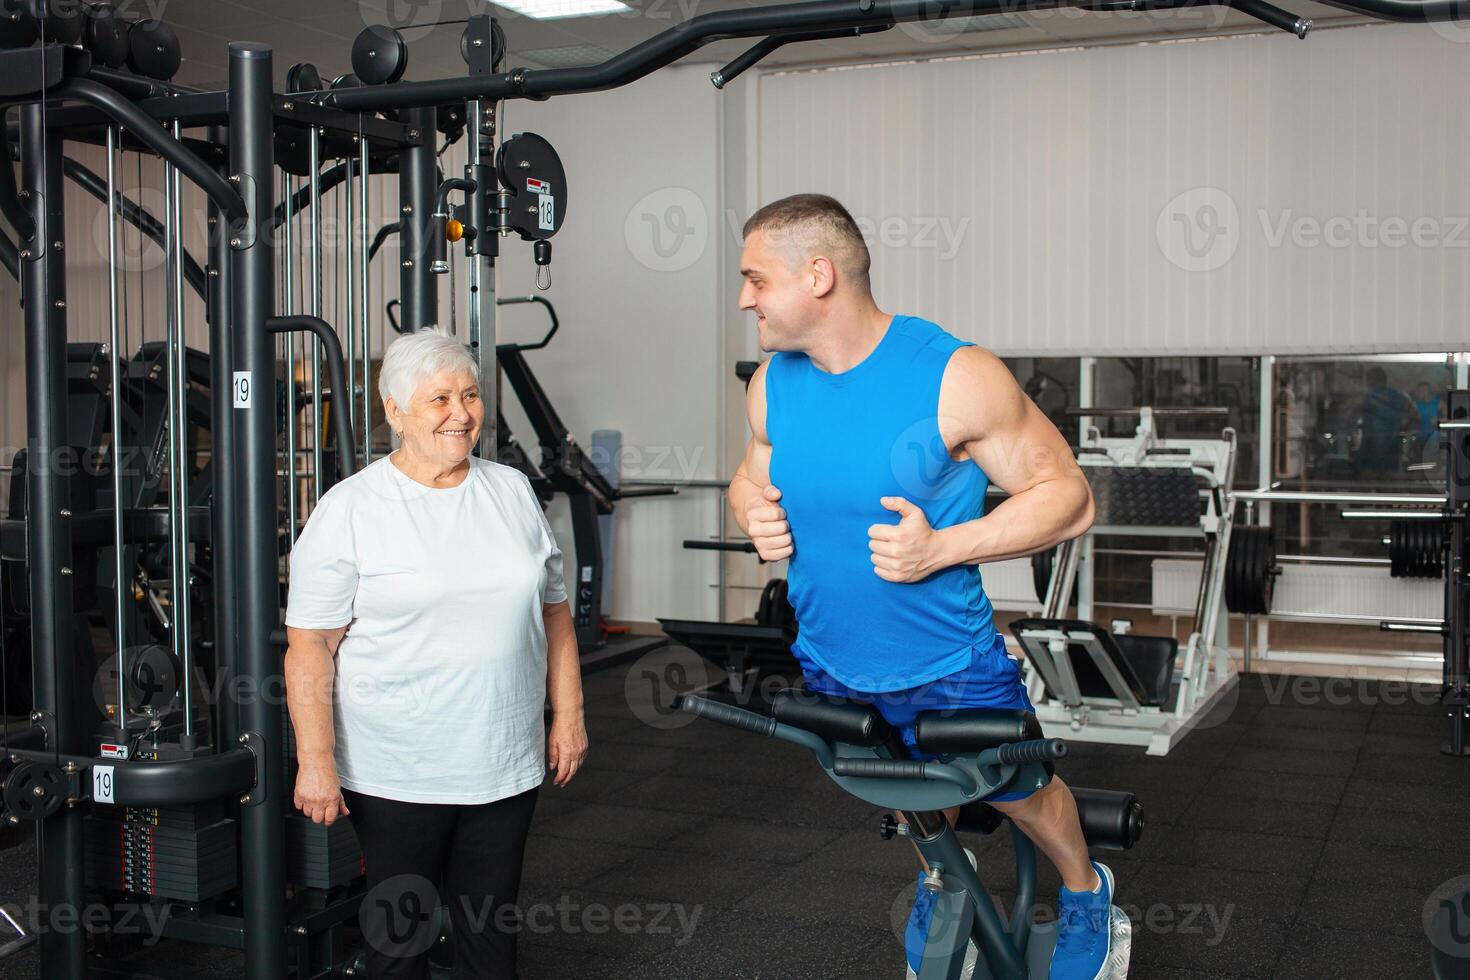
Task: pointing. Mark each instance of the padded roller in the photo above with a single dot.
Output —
(831, 718)
(979, 818)
(973, 729)
(1110, 819)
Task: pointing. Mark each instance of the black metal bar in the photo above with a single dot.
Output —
(391, 228)
(301, 200)
(1269, 13)
(1456, 690)
(171, 783)
(336, 374)
(223, 548)
(48, 551)
(9, 256)
(418, 179)
(15, 212)
(754, 54)
(253, 472)
(550, 311)
(136, 215)
(142, 126)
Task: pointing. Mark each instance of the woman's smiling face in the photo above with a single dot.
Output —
(442, 420)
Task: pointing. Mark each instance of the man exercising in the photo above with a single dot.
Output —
(874, 439)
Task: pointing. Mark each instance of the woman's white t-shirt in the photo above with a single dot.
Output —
(441, 679)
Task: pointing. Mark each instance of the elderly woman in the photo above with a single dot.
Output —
(427, 625)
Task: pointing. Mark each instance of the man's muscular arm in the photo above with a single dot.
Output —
(988, 419)
(753, 500)
(1006, 435)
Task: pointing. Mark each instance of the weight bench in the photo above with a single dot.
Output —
(735, 648)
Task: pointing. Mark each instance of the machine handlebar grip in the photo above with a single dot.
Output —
(1036, 750)
(880, 768)
(728, 714)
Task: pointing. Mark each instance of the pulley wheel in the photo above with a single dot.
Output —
(35, 790)
(153, 50)
(531, 172)
(18, 29)
(106, 35)
(65, 21)
(379, 55)
(303, 77)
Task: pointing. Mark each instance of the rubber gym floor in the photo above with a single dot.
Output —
(1297, 834)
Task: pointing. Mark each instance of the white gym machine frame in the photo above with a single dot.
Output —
(1206, 673)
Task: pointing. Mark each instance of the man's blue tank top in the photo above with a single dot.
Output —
(840, 443)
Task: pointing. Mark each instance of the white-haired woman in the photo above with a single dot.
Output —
(427, 625)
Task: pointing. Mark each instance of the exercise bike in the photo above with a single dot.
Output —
(982, 752)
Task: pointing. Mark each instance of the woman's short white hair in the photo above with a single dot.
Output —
(415, 357)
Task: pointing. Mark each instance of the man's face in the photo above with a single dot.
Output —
(779, 294)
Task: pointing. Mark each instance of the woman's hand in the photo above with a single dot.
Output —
(566, 746)
(318, 792)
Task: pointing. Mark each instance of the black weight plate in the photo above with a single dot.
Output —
(65, 21)
(303, 77)
(765, 612)
(153, 50)
(347, 81)
(1267, 569)
(106, 35)
(379, 55)
(18, 29)
(1041, 570)
(531, 171)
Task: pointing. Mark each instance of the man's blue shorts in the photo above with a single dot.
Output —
(992, 680)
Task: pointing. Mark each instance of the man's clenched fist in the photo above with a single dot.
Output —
(765, 522)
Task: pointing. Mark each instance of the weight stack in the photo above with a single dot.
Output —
(186, 853)
(318, 856)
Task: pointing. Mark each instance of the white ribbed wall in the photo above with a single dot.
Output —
(1023, 195)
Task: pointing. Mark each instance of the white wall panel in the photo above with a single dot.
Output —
(1033, 202)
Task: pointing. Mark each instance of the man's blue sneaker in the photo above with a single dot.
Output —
(917, 932)
(1083, 934)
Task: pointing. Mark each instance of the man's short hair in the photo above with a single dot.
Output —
(804, 225)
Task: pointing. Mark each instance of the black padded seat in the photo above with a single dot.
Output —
(973, 729)
(1152, 659)
(834, 719)
(1146, 663)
